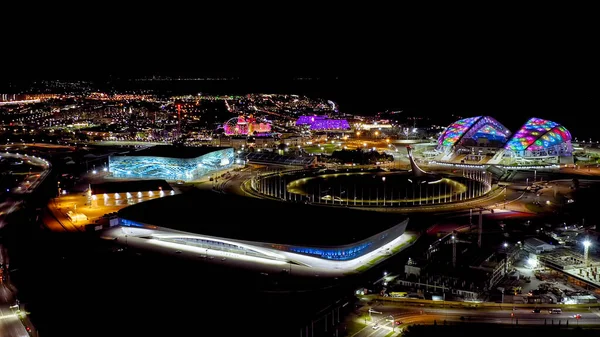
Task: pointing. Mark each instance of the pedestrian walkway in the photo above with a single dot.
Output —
(57, 220)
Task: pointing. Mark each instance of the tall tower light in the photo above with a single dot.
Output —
(586, 252)
(179, 120)
(454, 249)
(480, 229)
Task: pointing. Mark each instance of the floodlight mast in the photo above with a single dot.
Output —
(586, 252)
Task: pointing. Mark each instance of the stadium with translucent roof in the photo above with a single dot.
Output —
(483, 139)
(540, 137)
(170, 162)
(480, 135)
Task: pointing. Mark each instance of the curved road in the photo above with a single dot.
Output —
(407, 315)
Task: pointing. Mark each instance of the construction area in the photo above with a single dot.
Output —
(464, 263)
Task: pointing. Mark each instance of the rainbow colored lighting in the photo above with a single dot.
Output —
(456, 130)
(556, 136)
(538, 134)
(489, 130)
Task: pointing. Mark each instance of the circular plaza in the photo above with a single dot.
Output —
(373, 188)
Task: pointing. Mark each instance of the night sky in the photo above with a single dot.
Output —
(509, 70)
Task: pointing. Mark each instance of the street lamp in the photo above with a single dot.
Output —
(383, 179)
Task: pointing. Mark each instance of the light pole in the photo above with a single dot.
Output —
(371, 311)
(470, 216)
(383, 178)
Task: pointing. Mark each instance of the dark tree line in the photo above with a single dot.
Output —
(360, 157)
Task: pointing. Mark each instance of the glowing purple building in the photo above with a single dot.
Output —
(321, 123)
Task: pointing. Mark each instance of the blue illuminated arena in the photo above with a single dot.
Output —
(171, 162)
(350, 251)
(335, 253)
(263, 235)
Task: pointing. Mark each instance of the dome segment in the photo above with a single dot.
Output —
(529, 133)
(456, 130)
(488, 127)
(556, 136)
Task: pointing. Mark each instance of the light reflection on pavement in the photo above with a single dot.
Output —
(13, 318)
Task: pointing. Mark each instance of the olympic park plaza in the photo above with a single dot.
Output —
(241, 236)
(245, 232)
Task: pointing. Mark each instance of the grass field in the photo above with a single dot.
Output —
(400, 247)
(354, 327)
(324, 149)
(370, 263)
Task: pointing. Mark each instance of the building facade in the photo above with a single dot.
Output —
(167, 165)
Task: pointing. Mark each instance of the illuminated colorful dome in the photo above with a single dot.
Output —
(540, 136)
(473, 128)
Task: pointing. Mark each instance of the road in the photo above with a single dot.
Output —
(7, 207)
(33, 178)
(413, 315)
(10, 324)
(12, 320)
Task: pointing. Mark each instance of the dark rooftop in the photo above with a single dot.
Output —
(130, 186)
(170, 151)
(236, 217)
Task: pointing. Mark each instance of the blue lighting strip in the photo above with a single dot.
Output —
(333, 254)
(129, 223)
(170, 168)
